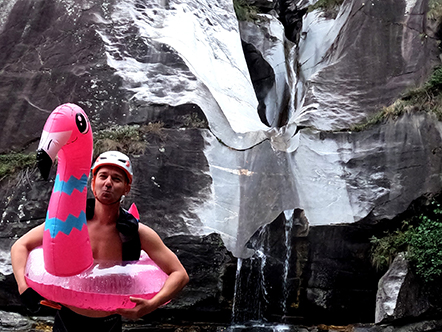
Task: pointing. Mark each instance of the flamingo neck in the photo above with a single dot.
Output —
(66, 243)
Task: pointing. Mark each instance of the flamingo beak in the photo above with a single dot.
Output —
(44, 163)
(50, 144)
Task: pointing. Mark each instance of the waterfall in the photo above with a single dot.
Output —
(249, 287)
(288, 245)
(264, 283)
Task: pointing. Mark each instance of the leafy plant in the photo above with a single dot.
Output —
(425, 245)
(386, 248)
(12, 163)
(244, 11)
(434, 84)
(421, 242)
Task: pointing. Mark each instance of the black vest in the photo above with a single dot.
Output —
(127, 226)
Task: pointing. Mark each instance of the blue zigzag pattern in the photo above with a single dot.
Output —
(55, 225)
(69, 186)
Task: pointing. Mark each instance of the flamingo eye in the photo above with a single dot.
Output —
(82, 124)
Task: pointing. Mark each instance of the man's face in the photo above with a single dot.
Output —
(109, 184)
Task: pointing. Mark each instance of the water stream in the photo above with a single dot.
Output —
(263, 287)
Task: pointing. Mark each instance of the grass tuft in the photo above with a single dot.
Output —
(423, 99)
(14, 162)
(130, 139)
(245, 11)
(328, 7)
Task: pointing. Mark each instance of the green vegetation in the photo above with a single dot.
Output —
(420, 239)
(132, 139)
(329, 7)
(386, 248)
(435, 10)
(425, 245)
(325, 5)
(245, 11)
(193, 121)
(423, 99)
(14, 162)
(120, 138)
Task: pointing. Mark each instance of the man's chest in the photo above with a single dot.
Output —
(105, 243)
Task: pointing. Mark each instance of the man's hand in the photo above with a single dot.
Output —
(142, 307)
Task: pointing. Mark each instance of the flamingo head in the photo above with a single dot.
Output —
(67, 126)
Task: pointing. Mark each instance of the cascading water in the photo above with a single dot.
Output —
(266, 288)
(249, 287)
(288, 244)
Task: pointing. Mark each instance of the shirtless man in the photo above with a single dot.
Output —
(111, 179)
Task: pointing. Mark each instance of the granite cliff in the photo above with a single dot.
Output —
(246, 150)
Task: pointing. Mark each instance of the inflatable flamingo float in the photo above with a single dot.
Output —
(63, 269)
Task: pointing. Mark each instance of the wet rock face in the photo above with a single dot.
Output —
(170, 178)
(255, 119)
(341, 284)
(50, 55)
(208, 296)
(360, 66)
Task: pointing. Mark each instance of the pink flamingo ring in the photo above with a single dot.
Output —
(63, 269)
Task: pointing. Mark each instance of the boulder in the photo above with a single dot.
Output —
(400, 296)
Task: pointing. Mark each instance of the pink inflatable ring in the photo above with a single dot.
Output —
(104, 286)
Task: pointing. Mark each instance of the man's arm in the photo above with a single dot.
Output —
(20, 251)
(169, 263)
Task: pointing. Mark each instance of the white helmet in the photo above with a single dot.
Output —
(114, 158)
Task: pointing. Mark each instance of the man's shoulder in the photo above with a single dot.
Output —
(147, 233)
